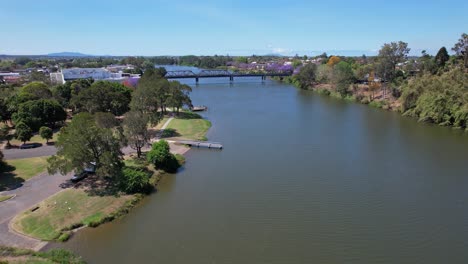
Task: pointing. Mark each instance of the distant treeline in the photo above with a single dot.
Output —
(432, 89)
(24, 62)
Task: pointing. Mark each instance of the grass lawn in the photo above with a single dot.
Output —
(183, 128)
(35, 139)
(5, 197)
(20, 170)
(68, 208)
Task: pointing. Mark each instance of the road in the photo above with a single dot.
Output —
(32, 192)
(11, 154)
(29, 153)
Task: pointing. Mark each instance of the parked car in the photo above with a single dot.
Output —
(30, 145)
(79, 176)
(91, 168)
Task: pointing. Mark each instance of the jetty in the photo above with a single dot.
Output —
(201, 144)
(199, 108)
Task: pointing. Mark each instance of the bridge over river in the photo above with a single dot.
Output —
(187, 74)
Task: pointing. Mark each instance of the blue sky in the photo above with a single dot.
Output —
(243, 27)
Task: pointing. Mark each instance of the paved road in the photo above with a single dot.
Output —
(29, 153)
(41, 152)
(32, 192)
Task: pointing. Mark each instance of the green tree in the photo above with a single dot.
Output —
(5, 134)
(440, 99)
(147, 65)
(162, 158)
(179, 95)
(35, 91)
(461, 48)
(343, 77)
(136, 130)
(242, 59)
(64, 93)
(134, 180)
(442, 57)
(296, 63)
(427, 63)
(106, 120)
(23, 132)
(103, 96)
(5, 113)
(160, 72)
(40, 112)
(389, 56)
(151, 95)
(307, 76)
(83, 142)
(46, 133)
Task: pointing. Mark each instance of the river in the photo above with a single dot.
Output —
(302, 178)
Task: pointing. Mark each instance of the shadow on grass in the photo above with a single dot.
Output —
(188, 115)
(8, 179)
(169, 132)
(95, 186)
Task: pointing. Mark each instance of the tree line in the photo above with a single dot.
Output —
(430, 88)
(94, 134)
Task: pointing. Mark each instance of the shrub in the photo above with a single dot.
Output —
(134, 180)
(73, 226)
(161, 157)
(59, 256)
(440, 99)
(54, 255)
(64, 236)
(376, 104)
(323, 91)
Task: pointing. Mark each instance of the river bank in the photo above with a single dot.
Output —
(439, 99)
(88, 204)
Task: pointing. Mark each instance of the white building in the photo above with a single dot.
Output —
(118, 68)
(85, 73)
(57, 77)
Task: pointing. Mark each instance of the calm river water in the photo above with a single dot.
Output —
(301, 179)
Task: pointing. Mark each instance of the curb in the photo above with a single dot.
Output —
(13, 196)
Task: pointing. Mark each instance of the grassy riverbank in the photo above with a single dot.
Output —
(90, 203)
(18, 255)
(20, 170)
(93, 201)
(67, 210)
(187, 126)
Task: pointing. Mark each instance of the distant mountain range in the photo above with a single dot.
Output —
(68, 54)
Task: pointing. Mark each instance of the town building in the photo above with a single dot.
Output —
(85, 73)
(118, 68)
(10, 77)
